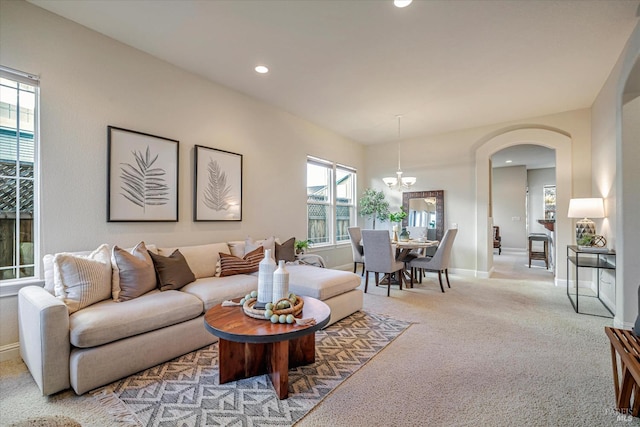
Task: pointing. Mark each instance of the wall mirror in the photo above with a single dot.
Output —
(425, 212)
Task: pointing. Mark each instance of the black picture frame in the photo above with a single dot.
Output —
(217, 189)
(142, 177)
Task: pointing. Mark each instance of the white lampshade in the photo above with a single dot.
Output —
(390, 181)
(586, 208)
(408, 181)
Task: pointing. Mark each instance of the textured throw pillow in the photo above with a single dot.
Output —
(230, 265)
(286, 251)
(133, 272)
(269, 243)
(172, 272)
(80, 281)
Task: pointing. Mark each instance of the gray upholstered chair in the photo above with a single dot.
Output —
(356, 247)
(439, 261)
(381, 258)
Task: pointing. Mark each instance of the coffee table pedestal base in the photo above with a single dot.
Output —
(238, 360)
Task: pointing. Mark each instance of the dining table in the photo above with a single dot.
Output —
(404, 253)
(404, 247)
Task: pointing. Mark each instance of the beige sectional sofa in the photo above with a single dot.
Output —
(109, 340)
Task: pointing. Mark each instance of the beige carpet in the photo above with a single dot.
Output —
(488, 352)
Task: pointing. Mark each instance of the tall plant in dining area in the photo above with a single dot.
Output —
(373, 205)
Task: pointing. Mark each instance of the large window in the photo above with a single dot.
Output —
(18, 136)
(331, 208)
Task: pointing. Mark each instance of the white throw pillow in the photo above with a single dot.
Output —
(251, 245)
(236, 247)
(82, 280)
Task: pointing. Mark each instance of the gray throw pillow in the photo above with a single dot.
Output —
(286, 251)
(133, 272)
(172, 272)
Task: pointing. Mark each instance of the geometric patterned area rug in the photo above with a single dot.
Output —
(185, 391)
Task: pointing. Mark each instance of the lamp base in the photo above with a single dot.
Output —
(585, 226)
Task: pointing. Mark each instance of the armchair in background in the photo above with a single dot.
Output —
(497, 239)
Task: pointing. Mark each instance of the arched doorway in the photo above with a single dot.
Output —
(553, 138)
(523, 184)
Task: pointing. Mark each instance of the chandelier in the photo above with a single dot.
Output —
(399, 182)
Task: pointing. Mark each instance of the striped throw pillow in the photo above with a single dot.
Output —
(230, 265)
(80, 281)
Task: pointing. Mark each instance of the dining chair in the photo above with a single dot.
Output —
(355, 235)
(381, 258)
(439, 261)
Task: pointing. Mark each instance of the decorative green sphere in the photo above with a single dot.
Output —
(269, 306)
(282, 319)
(268, 314)
(254, 294)
(242, 301)
(275, 318)
(290, 318)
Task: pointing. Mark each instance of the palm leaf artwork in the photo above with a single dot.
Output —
(142, 184)
(216, 194)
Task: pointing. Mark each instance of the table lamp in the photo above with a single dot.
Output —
(586, 208)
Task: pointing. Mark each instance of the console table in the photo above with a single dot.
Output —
(588, 258)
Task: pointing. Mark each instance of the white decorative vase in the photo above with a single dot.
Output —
(265, 278)
(280, 282)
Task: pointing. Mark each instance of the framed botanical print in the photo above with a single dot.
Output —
(217, 194)
(142, 177)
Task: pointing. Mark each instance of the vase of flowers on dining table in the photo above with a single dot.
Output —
(396, 218)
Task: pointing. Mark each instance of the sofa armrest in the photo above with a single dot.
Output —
(43, 322)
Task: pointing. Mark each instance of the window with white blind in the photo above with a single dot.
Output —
(331, 207)
(18, 169)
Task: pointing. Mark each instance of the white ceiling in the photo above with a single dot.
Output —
(529, 155)
(353, 65)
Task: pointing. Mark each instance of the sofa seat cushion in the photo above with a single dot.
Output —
(214, 290)
(109, 321)
(320, 283)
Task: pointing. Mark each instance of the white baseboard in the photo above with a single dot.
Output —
(481, 274)
(515, 250)
(10, 352)
(464, 272)
(346, 267)
(622, 325)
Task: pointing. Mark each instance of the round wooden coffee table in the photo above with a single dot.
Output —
(248, 347)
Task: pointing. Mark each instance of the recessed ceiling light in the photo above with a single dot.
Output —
(261, 69)
(402, 3)
(508, 161)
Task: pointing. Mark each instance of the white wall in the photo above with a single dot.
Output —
(509, 188)
(615, 177)
(89, 81)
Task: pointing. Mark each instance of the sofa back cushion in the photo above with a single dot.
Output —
(202, 259)
(133, 272)
(80, 281)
